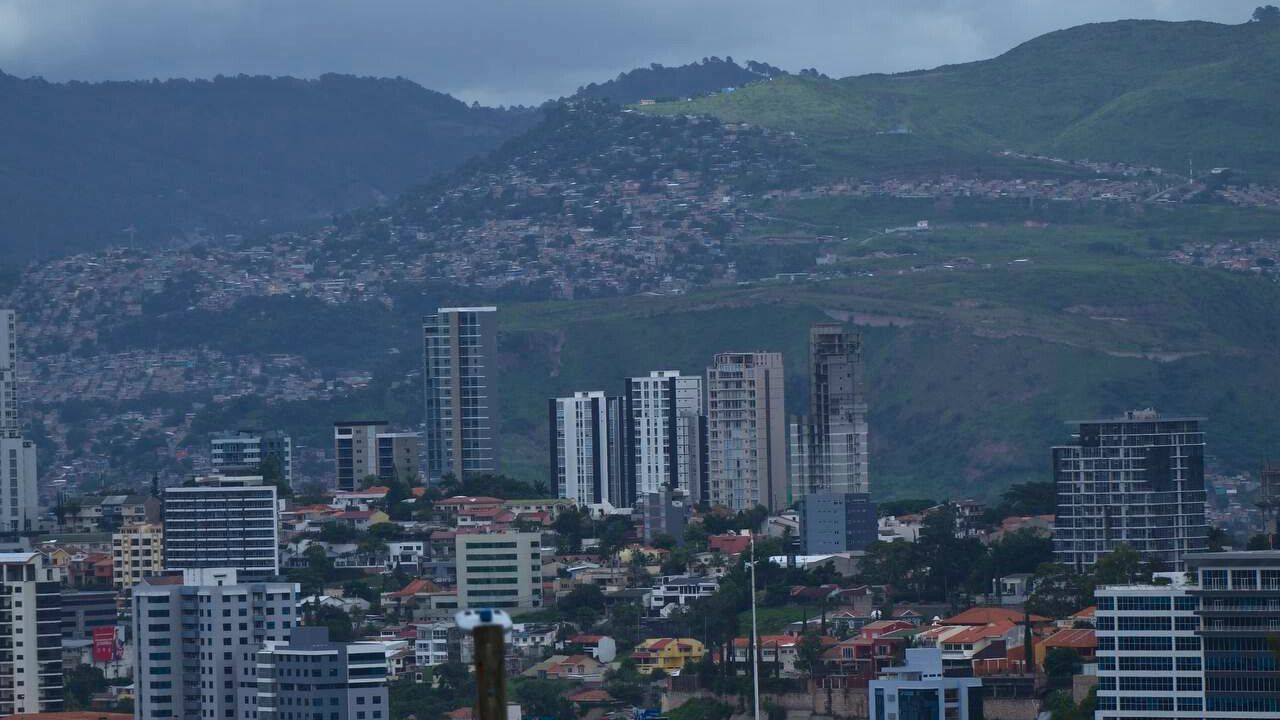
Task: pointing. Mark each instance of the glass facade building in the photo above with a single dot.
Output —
(461, 394)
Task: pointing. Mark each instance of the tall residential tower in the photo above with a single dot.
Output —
(19, 500)
(746, 431)
(586, 448)
(1136, 480)
(460, 349)
(666, 435)
(829, 445)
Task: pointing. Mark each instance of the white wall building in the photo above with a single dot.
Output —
(586, 448)
(196, 644)
(30, 635)
(919, 691)
(664, 414)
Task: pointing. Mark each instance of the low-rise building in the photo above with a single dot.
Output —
(137, 552)
(666, 654)
(918, 690)
(677, 590)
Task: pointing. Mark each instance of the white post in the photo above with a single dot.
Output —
(755, 636)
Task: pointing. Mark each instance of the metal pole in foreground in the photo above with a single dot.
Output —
(755, 636)
(491, 677)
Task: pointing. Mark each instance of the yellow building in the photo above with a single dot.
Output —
(668, 654)
(137, 552)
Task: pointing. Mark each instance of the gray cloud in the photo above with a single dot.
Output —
(524, 51)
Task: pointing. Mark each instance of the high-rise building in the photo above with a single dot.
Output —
(665, 512)
(1199, 644)
(244, 451)
(837, 522)
(9, 426)
(30, 635)
(222, 522)
(196, 643)
(1149, 659)
(355, 451)
(460, 350)
(354, 685)
(1239, 608)
(665, 425)
(368, 448)
(398, 456)
(586, 448)
(19, 499)
(1136, 480)
(84, 610)
(829, 445)
(499, 570)
(137, 552)
(746, 431)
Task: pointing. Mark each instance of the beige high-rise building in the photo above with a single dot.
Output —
(746, 431)
(137, 552)
(500, 570)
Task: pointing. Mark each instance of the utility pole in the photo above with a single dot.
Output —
(488, 629)
(755, 636)
(491, 678)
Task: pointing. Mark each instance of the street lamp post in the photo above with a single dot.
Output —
(755, 636)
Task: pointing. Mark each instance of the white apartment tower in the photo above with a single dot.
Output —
(746, 431)
(196, 644)
(19, 499)
(223, 522)
(665, 428)
(30, 635)
(586, 448)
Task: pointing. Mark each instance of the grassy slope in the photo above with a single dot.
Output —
(1141, 91)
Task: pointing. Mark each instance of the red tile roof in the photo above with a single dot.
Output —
(988, 615)
(1079, 638)
(591, 696)
(980, 632)
(415, 586)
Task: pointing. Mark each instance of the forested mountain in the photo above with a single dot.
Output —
(1136, 91)
(669, 83)
(80, 162)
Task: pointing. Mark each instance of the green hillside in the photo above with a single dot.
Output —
(1136, 91)
(972, 374)
(79, 162)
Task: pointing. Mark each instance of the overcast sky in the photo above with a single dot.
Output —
(525, 51)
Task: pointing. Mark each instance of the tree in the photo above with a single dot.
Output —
(338, 622)
(1061, 663)
(544, 698)
(904, 506)
(1266, 14)
(81, 684)
(272, 473)
(582, 605)
(809, 655)
(1025, 499)
(695, 537)
(1121, 566)
(663, 541)
(702, 708)
(1059, 591)
(1021, 551)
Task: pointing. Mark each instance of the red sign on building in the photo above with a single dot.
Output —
(105, 648)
